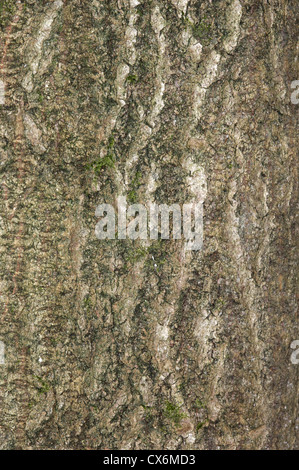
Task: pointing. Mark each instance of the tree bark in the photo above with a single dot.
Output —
(121, 344)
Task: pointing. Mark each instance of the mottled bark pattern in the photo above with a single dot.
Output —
(141, 345)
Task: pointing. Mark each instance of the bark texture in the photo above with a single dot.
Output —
(141, 345)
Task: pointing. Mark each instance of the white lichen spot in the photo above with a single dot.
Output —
(162, 334)
(157, 20)
(27, 82)
(233, 17)
(211, 69)
(200, 91)
(123, 71)
(42, 35)
(181, 5)
(2, 353)
(158, 24)
(205, 331)
(186, 38)
(131, 35)
(33, 133)
(2, 92)
(134, 3)
(152, 181)
(195, 51)
(190, 439)
(158, 103)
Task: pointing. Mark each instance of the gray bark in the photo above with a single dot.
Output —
(140, 345)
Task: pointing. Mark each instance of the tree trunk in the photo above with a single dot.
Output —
(122, 344)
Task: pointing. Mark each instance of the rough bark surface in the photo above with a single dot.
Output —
(141, 345)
